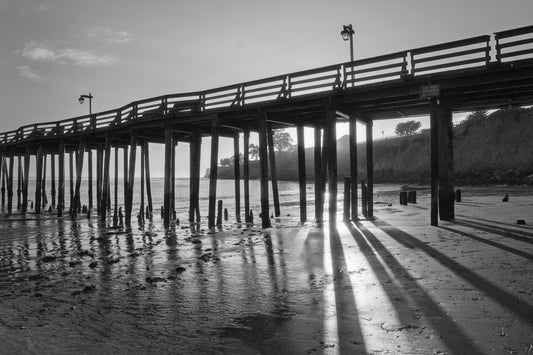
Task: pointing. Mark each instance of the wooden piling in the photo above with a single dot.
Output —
(61, 179)
(364, 202)
(53, 179)
(273, 171)
(115, 189)
(246, 174)
(99, 163)
(237, 176)
(347, 198)
(445, 161)
(20, 182)
(173, 180)
(146, 153)
(194, 176)
(353, 167)
(219, 213)
(3, 171)
(434, 156)
(90, 178)
(125, 158)
(319, 196)
(115, 186)
(10, 185)
(332, 165)
(105, 179)
(79, 170)
(263, 156)
(43, 184)
(141, 212)
(131, 177)
(168, 168)
(71, 181)
(370, 167)
(26, 181)
(301, 173)
(38, 179)
(215, 128)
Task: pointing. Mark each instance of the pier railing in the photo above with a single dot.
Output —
(471, 53)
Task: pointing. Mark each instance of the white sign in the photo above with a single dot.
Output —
(429, 91)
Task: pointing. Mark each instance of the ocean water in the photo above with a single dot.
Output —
(288, 195)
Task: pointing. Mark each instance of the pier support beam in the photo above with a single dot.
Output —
(131, 178)
(53, 179)
(115, 190)
(168, 167)
(20, 182)
(246, 174)
(273, 172)
(90, 177)
(38, 179)
(79, 170)
(301, 173)
(26, 181)
(3, 172)
(332, 164)
(434, 155)
(99, 162)
(353, 167)
(105, 180)
(43, 185)
(10, 184)
(143, 182)
(173, 180)
(237, 175)
(370, 167)
(73, 205)
(125, 157)
(61, 179)
(213, 172)
(445, 153)
(194, 168)
(319, 194)
(263, 158)
(146, 153)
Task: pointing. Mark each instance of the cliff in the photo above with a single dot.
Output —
(497, 149)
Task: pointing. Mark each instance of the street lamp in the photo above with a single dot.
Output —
(347, 34)
(82, 100)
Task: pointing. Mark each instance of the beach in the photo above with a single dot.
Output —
(391, 285)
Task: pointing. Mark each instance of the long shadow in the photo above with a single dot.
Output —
(344, 296)
(521, 309)
(491, 243)
(450, 334)
(504, 232)
(494, 222)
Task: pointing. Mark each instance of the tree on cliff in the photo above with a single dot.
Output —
(254, 151)
(407, 128)
(282, 140)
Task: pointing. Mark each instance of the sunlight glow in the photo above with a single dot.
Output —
(331, 334)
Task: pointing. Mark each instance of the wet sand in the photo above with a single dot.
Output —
(392, 285)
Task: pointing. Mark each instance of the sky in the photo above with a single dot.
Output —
(52, 51)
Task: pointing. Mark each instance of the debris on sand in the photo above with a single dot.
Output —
(86, 289)
(154, 279)
(48, 258)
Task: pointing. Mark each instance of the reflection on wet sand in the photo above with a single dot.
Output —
(70, 286)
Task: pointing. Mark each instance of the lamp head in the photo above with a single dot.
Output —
(347, 32)
(81, 99)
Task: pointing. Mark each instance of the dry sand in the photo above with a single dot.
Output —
(393, 285)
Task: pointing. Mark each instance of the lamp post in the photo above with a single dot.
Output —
(347, 34)
(82, 100)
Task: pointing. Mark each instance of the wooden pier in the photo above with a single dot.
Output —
(483, 72)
